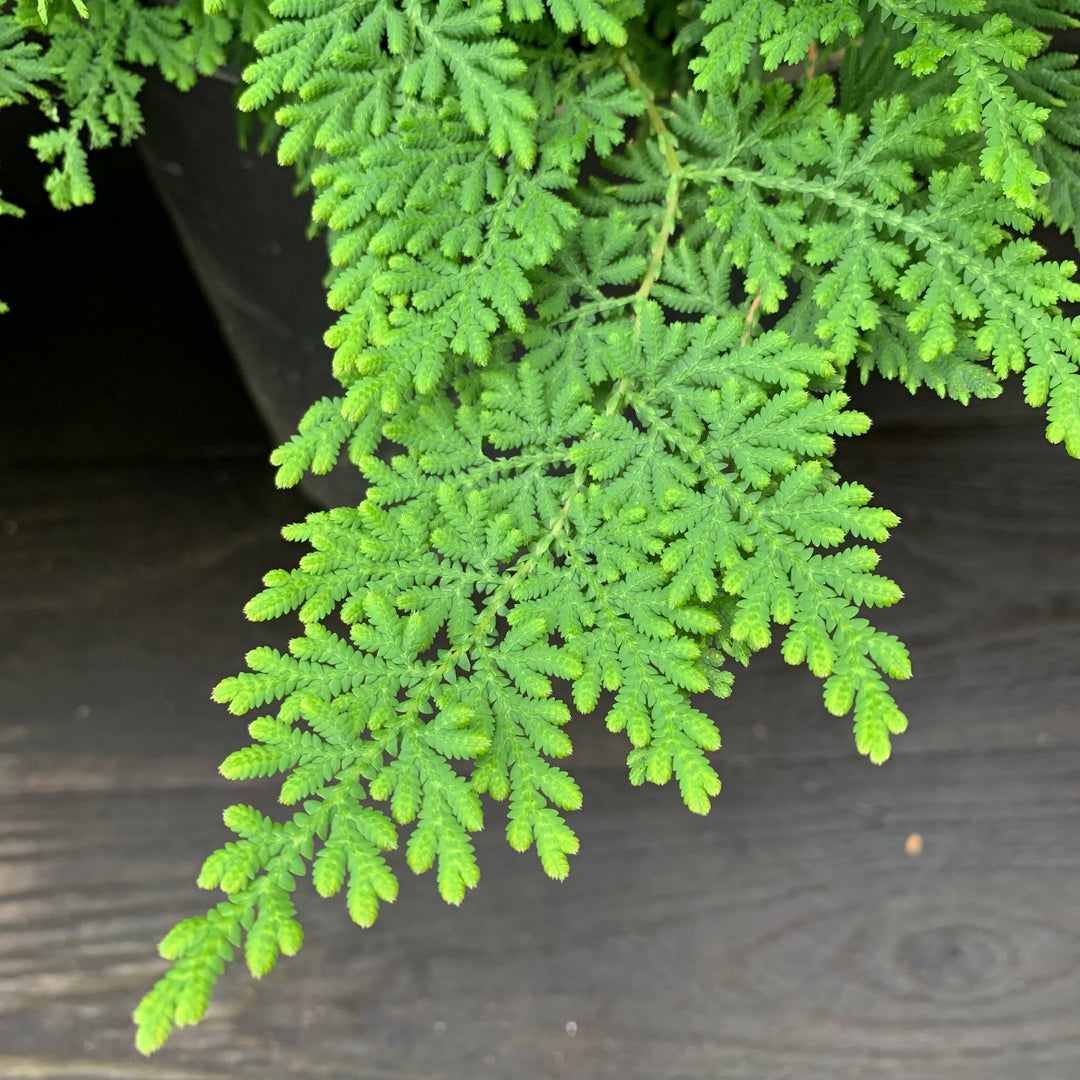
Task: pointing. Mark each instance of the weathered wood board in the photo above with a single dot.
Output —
(787, 935)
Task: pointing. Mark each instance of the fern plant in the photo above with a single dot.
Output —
(603, 268)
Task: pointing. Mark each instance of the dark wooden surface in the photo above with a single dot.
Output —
(787, 935)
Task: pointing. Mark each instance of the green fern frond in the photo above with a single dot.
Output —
(847, 207)
(434, 235)
(1040, 14)
(978, 57)
(97, 48)
(23, 71)
(618, 386)
(597, 20)
(783, 32)
(44, 5)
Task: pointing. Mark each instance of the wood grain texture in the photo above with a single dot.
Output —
(787, 935)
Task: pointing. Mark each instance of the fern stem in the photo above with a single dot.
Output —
(667, 227)
(751, 317)
(675, 184)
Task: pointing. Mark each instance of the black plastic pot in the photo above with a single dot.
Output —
(243, 231)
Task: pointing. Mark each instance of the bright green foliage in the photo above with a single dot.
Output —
(22, 68)
(978, 53)
(93, 50)
(618, 388)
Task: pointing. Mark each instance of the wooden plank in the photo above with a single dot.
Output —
(787, 935)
